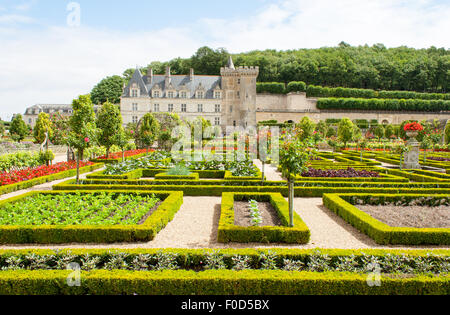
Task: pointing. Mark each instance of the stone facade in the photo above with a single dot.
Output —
(225, 100)
(31, 114)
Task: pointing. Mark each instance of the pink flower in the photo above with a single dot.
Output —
(86, 140)
(132, 132)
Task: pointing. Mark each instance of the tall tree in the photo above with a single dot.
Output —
(109, 121)
(83, 130)
(345, 131)
(18, 129)
(60, 125)
(43, 125)
(148, 130)
(109, 89)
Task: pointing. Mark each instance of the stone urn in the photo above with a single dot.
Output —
(412, 157)
(412, 134)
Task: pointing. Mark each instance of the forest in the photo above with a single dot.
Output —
(366, 67)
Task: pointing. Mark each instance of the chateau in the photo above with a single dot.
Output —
(225, 100)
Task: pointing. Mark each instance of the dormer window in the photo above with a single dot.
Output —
(183, 94)
(134, 93)
(170, 94)
(200, 94)
(217, 95)
(156, 94)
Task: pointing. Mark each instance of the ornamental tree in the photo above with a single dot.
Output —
(148, 131)
(60, 125)
(295, 156)
(447, 133)
(345, 131)
(307, 126)
(83, 130)
(389, 131)
(2, 128)
(121, 139)
(43, 125)
(18, 129)
(109, 122)
(379, 132)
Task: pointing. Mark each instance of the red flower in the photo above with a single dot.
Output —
(86, 140)
(413, 127)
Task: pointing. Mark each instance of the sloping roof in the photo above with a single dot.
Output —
(178, 82)
(138, 79)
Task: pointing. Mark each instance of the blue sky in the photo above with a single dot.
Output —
(43, 59)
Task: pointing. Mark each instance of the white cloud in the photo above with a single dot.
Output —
(57, 64)
(15, 19)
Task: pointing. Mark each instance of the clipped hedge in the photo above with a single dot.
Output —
(215, 282)
(296, 87)
(93, 234)
(383, 104)
(45, 179)
(380, 232)
(211, 188)
(270, 87)
(193, 176)
(229, 232)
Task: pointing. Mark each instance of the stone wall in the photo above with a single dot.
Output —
(294, 106)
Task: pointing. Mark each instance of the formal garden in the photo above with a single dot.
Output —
(335, 207)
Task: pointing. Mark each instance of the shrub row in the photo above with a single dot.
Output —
(380, 232)
(45, 179)
(320, 91)
(383, 104)
(215, 282)
(93, 234)
(198, 188)
(229, 232)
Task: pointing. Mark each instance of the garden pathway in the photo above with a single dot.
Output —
(270, 171)
(195, 226)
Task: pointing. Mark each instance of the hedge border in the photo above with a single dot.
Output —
(217, 190)
(380, 232)
(43, 234)
(192, 176)
(48, 178)
(215, 282)
(229, 232)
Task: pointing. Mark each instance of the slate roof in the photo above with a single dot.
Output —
(178, 82)
(50, 108)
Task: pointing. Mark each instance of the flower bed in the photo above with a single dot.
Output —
(31, 173)
(96, 229)
(229, 232)
(346, 206)
(348, 173)
(118, 155)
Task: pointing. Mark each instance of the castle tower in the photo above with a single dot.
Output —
(239, 100)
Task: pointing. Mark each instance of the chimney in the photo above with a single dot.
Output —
(191, 74)
(168, 77)
(150, 75)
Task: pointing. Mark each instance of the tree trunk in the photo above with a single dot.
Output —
(107, 153)
(78, 166)
(291, 201)
(123, 155)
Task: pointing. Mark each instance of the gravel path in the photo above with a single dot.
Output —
(270, 171)
(195, 226)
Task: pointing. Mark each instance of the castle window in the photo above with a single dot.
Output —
(156, 94)
(135, 119)
(170, 94)
(183, 95)
(239, 81)
(170, 108)
(183, 108)
(135, 107)
(30, 121)
(217, 95)
(156, 108)
(217, 107)
(217, 121)
(231, 109)
(200, 94)
(238, 94)
(134, 93)
(200, 108)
